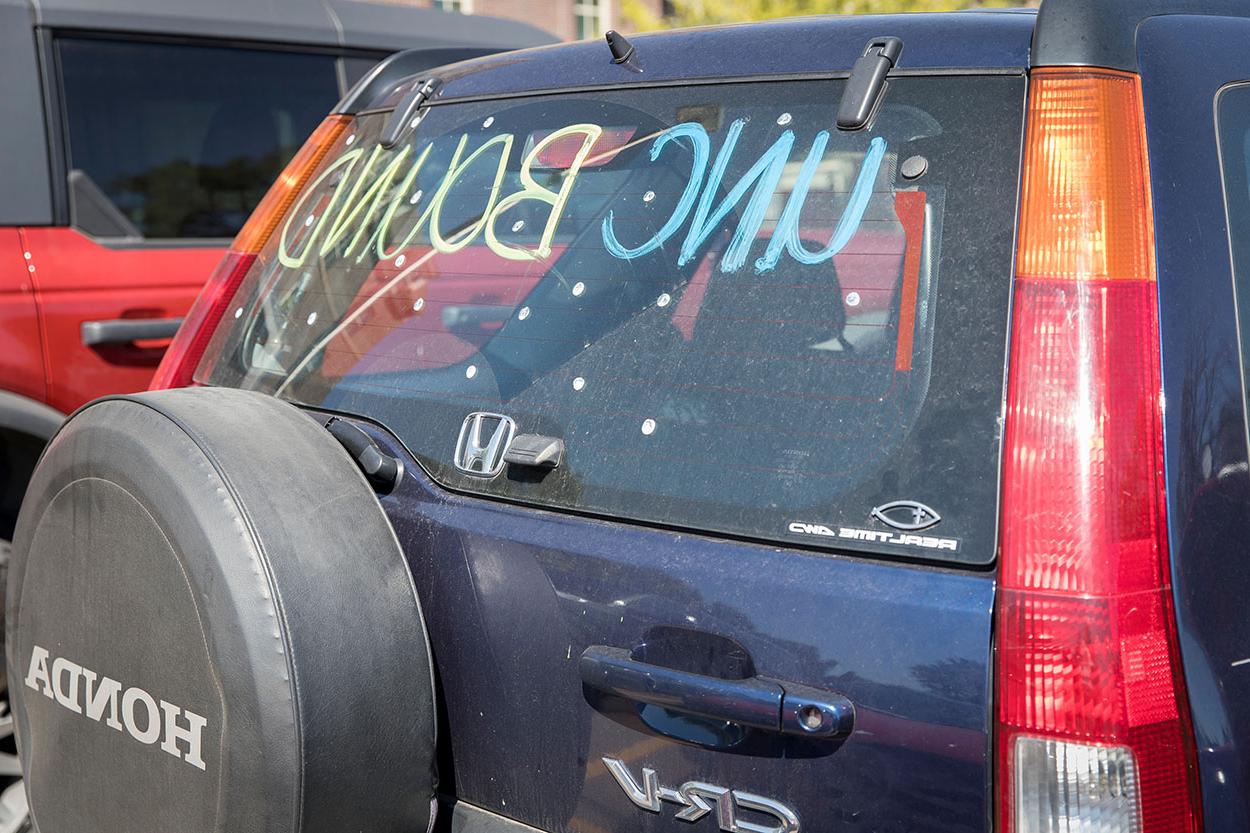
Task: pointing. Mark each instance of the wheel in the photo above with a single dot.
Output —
(209, 606)
(13, 815)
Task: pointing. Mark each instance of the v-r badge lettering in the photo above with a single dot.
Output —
(697, 799)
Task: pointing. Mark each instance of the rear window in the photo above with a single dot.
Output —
(736, 318)
(177, 140)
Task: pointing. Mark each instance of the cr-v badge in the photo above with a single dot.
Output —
(484, 439)
(697, 799)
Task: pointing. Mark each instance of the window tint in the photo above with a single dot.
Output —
(174, 140)
(735, 317)
(1233, 115)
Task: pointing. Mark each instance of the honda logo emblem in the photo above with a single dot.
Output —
(484, 439)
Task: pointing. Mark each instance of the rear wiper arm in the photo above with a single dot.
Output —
(403, 116)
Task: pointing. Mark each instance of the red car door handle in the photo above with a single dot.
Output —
(128, 330)
(758, 702)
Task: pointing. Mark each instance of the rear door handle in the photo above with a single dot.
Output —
(758, 702)
(128, 330)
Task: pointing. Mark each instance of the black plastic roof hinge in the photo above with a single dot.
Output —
(867, 84)
(405, 113)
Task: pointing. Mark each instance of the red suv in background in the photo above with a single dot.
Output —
(137, 138)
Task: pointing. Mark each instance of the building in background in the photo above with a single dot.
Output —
(567, 19)
(578, 19)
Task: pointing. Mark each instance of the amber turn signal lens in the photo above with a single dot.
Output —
(1085, 212)
(258, 228)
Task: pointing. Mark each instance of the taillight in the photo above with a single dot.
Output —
(1093, 722)
(188, 346)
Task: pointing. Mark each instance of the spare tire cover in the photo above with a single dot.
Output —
(211, 627)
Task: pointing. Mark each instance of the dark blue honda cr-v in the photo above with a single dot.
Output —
(823, 425)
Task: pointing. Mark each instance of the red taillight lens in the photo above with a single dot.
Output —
(187, 348)
(1093, 725)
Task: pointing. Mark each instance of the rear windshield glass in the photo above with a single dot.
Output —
(733, 316)
(176, 140)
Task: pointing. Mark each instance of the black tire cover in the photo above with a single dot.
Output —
(210, 565)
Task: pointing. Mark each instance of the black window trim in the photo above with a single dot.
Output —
(1243, 327)
(391, 441)
(694, 81)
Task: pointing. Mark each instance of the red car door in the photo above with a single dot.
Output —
(108, 312)
(21, 361)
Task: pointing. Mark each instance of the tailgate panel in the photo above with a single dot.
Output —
(513, 596)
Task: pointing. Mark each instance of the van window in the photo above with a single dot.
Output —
(735, 317)
(176, 140)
